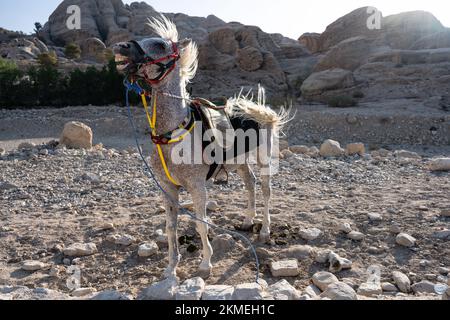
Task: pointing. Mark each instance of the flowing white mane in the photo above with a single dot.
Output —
(166, 29)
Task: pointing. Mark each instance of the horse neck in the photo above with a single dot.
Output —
(170, 112)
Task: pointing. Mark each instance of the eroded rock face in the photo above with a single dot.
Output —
(351, 25)
(232, 56)
(311, 41)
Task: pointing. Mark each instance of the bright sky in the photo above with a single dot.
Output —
(289, 17)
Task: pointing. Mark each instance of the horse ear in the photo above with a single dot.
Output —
(184, 43)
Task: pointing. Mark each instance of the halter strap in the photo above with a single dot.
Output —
(165, 69)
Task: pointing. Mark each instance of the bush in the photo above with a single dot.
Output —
(342, 102)
(48, 59)
(10, 76)
(72, 51)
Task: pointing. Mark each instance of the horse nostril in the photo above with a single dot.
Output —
(125, 45)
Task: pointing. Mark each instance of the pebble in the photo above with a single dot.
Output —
(122, 240)
(339, 291)
(423, 287)
(405, 240)
(218, 292)
(110, 295)
(147, 249)
(322, 256)
(248, 291)
(54, 272)
(440, 164)
(395, 229)
(160, 236)
(375, 217)
(345, 227)
(223, 243)
(443, 270)
(212, 206)
(299, 252)
(163, 290)
(323, 279)
(402, 281)
(442, 235)
(310, 234)
(32, 265)
(356, 236)
(312, 291)
(82, 292)
(80, 250)
(191, 289)
(283, 287)
(370, 289)
(285, 268)
(338, 263)
(107, 226)
(388, 287)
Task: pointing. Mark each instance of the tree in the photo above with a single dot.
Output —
(72, 51)
(37, 27)
(48, 59)
(10, 75)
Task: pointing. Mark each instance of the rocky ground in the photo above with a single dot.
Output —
(386, 211)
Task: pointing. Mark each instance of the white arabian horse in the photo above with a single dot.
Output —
(167, 64)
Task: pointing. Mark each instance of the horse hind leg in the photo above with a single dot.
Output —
(265, 163)
(249, 179)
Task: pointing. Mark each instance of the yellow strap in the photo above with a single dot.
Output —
(152, 123)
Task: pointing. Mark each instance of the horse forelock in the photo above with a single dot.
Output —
(167, 30)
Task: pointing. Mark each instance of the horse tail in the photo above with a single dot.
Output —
(245, 107)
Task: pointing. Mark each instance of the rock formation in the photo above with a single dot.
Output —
(347, 59)
(385, 63)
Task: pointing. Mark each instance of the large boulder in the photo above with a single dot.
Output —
(332, 79)
(76, 135)
(349, 54)
(250, 59)
(224, 40)
(401, 31)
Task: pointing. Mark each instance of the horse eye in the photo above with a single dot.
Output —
(161, 46)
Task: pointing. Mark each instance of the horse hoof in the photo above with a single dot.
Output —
(170, 273)
(204, 271)
(246, 226)
(264, 237)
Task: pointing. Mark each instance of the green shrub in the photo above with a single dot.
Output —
(48, 59)
(72, 51)
(10, 76)
(342, 102)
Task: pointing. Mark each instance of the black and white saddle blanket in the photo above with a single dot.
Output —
(216, 120)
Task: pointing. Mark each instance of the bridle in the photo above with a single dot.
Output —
(164, 68)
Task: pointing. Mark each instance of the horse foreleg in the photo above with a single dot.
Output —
(171, 230)
(198, 193)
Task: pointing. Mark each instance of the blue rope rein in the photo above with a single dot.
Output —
(136, 88)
